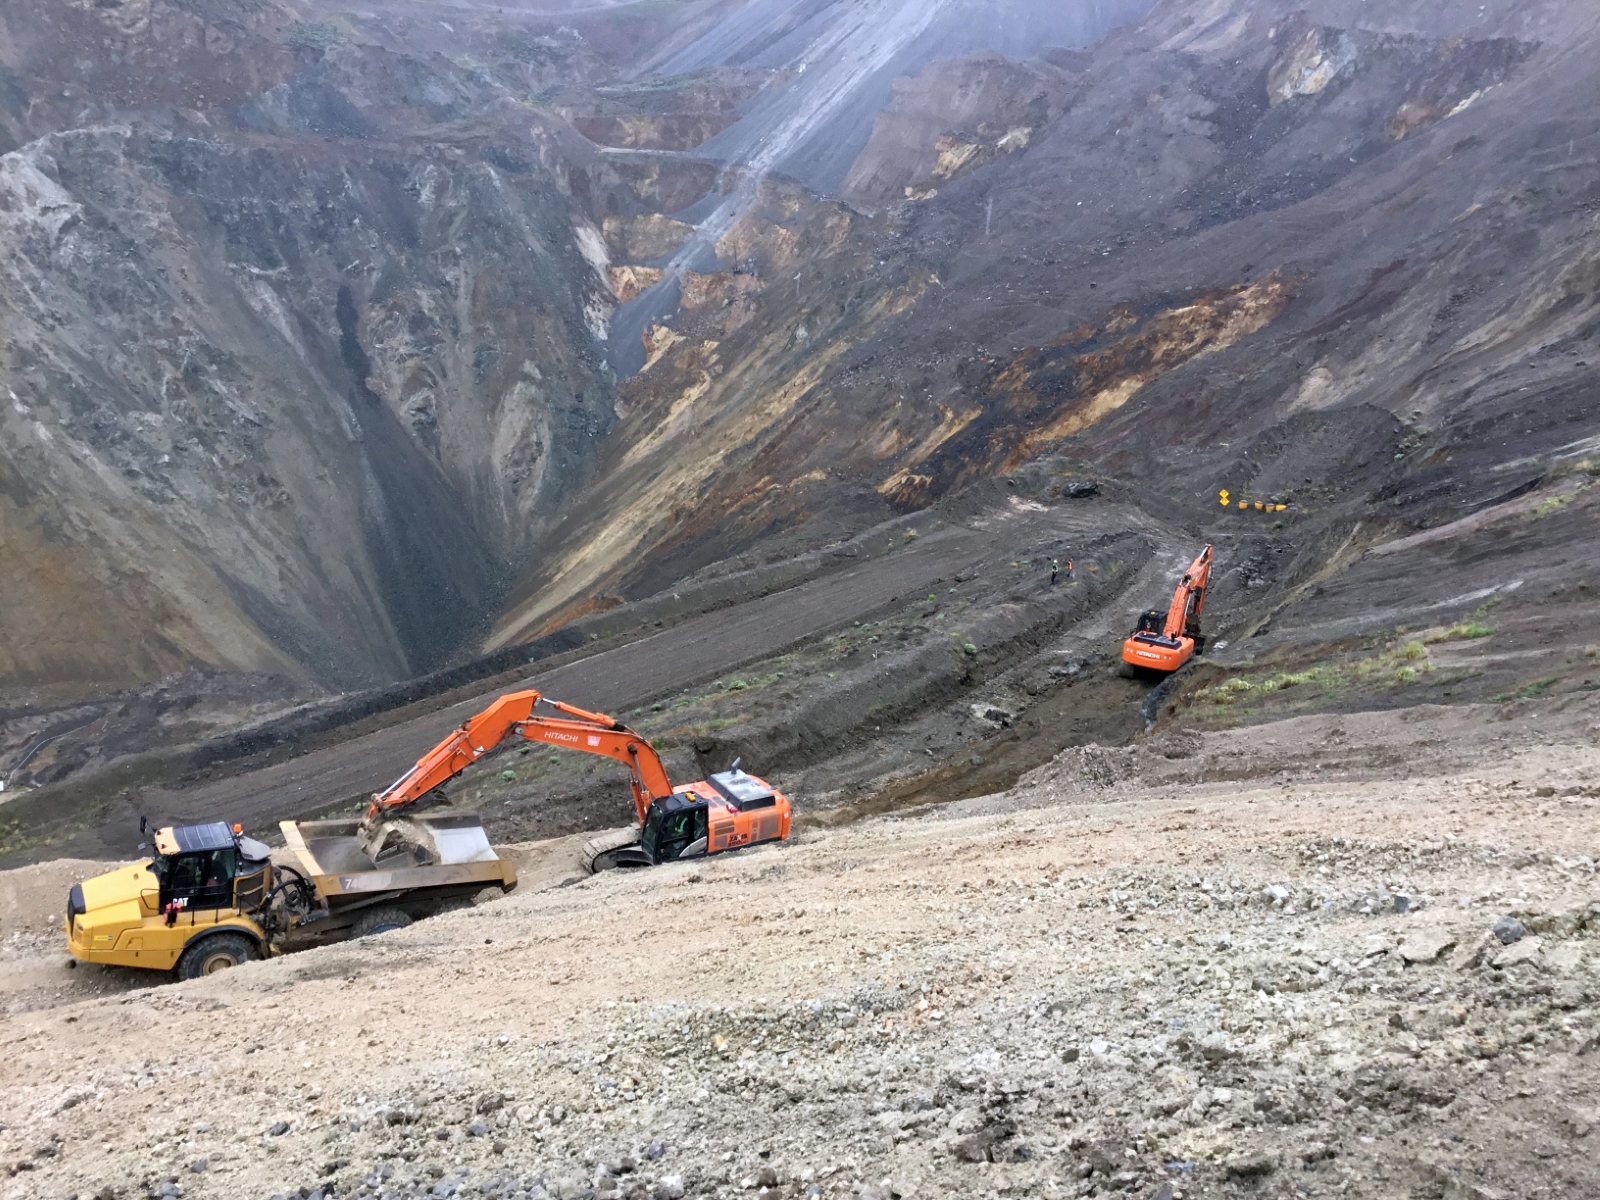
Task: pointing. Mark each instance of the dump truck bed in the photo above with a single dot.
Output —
(331, 855)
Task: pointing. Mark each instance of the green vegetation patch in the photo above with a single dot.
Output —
(222, 12)
(1466, 631)
(1398, 666)
(313, 35)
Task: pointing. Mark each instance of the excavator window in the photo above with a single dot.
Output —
(1151, 622)
(666, 835)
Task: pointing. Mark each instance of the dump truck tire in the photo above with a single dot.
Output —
(380, 920)
(216, 952)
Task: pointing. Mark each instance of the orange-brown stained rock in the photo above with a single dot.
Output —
(1049, 393)
(671, 131)
(582, 608)
(644, 235)
(723, 287)
(627, 282)
(1109, 378)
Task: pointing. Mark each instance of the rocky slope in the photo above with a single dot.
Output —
(300, 337)
(1104, 982)
(312, 313)
(1337, 256)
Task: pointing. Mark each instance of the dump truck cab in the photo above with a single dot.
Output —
(202, 885)
(212, 898)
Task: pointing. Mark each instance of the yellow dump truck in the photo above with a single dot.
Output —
(211, 898)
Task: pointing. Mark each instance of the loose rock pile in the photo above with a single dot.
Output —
(1323, 991)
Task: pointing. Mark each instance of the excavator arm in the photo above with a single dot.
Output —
(512, 716)
(1165, 644)
(1183, 618)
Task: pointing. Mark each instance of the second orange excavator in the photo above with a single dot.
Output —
(1165, 641)
(726, 811)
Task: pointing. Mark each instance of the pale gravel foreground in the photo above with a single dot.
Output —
(1055, 994)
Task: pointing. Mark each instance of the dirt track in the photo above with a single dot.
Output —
(660, 664)
(1085, 986)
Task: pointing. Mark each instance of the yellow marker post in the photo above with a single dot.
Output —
(1224, 495)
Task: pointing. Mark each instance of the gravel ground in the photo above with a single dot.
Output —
(1091, 984)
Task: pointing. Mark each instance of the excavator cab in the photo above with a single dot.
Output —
(674, 828)
(1151, 621)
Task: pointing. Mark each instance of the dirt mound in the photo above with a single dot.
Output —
(33, 899)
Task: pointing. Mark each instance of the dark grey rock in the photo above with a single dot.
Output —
(1250, 1165)
(279, 1128)
(1508, 930)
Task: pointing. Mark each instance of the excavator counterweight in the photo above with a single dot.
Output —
(1166, 641)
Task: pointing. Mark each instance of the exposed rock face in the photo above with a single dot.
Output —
(287, 400)
(643, 236)
(1291, 249)
(303, 308)
(954, 116)
(677, 113)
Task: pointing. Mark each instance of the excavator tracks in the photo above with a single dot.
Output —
(607, 851)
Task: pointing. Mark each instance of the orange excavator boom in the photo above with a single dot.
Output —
(1164, 642)
(1189, 600)
(512, 716)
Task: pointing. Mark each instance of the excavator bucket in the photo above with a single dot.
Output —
(437, 841)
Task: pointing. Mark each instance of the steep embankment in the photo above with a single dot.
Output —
(299, 350)
(1092, 985)
(1339, 256)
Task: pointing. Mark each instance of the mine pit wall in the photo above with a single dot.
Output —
(900, 687)
(337, 463)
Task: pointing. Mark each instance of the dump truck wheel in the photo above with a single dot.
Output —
(380, 920)
(216, 953)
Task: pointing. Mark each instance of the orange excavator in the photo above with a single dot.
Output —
(1164, 641)
(726, 811)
